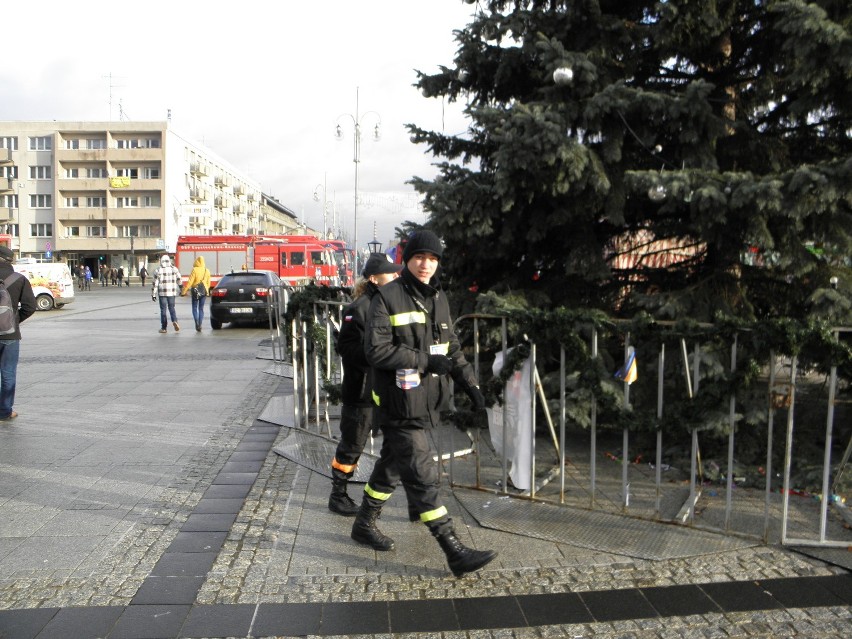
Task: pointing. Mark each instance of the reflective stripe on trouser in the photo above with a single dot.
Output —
(406, 455)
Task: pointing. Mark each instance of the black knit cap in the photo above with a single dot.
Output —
(420, 242)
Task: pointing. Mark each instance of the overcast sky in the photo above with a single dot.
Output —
(261, 83)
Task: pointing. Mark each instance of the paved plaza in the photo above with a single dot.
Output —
(141, 496)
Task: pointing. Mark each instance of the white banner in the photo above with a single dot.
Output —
(517, 403)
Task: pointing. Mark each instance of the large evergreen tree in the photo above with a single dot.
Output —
(719, 128)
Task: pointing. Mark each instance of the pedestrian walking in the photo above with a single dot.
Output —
(120, 276)
(356, 416)
(412, 347)
(88, 278)
(103, 274)
(143, 273)
(166, 285)
(198, 284)
(21, 304)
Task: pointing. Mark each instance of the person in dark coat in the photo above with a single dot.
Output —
(356, 417)
(22, 298)
(413, 349)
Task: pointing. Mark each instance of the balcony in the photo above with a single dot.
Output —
(221, 180)
(5, 156)
(239, 189)
(238, 209)
(5, 184)
(80, 214)
(83, 184)
(199, 195)
(199, 168)
(81, 155)
(221, 202)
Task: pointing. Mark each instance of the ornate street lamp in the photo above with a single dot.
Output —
(357, 121)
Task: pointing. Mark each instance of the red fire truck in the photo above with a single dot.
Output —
(298, 259)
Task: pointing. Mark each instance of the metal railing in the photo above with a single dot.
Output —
(783, 379)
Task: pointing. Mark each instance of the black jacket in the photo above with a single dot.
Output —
(406, 318)
(21, 292)
(356, 388)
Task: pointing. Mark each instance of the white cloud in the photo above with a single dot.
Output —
(261, 83)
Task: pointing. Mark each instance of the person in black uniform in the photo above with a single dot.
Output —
(412, 347)
(356, 417)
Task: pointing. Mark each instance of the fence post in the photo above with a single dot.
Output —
(593, 446)
(731, 424)
(788, 451)
(826, 463)
(658, 475)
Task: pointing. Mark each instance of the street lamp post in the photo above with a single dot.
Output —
(357, 121)
(325, 204)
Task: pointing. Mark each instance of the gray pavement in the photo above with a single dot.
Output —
(127, 438)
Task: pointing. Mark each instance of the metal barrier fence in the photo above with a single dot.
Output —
(630, 492)
(783, 379)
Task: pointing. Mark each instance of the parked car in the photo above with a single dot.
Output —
(52, 283)
(243, 297)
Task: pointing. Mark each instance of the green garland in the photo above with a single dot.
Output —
(590, 378)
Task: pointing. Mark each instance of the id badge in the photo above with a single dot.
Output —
(440, 349)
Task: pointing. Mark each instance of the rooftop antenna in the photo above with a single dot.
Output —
(111, 86)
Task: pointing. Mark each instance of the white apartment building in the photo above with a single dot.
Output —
(119, 193)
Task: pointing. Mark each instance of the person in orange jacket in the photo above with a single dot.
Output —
(198, 283)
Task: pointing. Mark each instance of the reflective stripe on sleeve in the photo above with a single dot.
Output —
(432, 515)
(376, 399)
(412, 317)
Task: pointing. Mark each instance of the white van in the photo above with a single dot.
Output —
(52, 283)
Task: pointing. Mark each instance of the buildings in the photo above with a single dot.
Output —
(120, 193)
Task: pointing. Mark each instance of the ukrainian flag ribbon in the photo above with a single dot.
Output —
(627, 373)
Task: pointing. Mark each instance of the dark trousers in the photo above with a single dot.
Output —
(355, 425)
(406, 456)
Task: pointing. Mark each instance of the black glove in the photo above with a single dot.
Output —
(153, 298)
(476, 397)
(439, 364)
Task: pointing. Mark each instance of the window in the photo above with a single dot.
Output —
(41, 201)
(96, 173)
(10, 143)
(131, 173)
(96, 143)
(130, 202)
(127, 144)
(297, 258)
(40, 173)
(10, 172)
(134, 230)
(283, 259)
(9, 201)
(151, 173)
(72, 173)
(72, 231)
(72, 144)
(151, 201)
(151, 143)
(96, 202)
(72, 202)
(316, 257)
(95, 231)
(41, 230)
(44, 143)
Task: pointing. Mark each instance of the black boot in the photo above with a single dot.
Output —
(364, 529)
(460, 558)
(339, 502)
